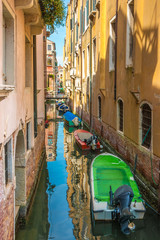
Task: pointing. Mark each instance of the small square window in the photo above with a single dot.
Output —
(49, 47)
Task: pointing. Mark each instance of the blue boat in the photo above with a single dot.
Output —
(63, 108)
(71, 119)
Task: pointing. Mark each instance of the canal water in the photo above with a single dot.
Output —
(61, 208)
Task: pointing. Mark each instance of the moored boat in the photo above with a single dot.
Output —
(114, 192)
(71, 119)
(59, 103)
(63, 108)
(86, 140)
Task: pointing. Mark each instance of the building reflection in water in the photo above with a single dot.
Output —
(51, 133)
(78, 194)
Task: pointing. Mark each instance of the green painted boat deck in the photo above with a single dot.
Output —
(109, 171)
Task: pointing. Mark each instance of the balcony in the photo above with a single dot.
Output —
(32, 13)
(65, 63)
(73, 73)
(80, 42)
(98, 5)
(5, 90)
(76, 49)
(68, 84)
(78, 84)
(92, 14)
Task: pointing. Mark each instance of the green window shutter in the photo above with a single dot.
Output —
(87, 12)
(71, 23)
(77, 32)
(81, 21)
(94, 5)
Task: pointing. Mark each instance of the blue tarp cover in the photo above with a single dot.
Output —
(70, 116)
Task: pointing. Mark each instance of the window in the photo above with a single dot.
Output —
(84, 20)
(99, 107)
(94, 5)
(77, 32)
(28, 135)
(129, 35)
(81, 21)
(49, 61)
(146, 121)
(120, 115)
(49, 47)
(8, 162)
(94, 56)
(78, 65)
(28, 65)
(8, 47)
(88, 61)
(112, 44)
(87, 12)
(83, 65)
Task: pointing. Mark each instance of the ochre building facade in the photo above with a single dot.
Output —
(111, 74)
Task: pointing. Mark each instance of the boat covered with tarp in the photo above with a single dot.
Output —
(71, 119)
(114, 192)
(86, 140)
(63, 108)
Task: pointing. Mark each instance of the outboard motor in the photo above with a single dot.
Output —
(88, 141)
(94, 142)
(122, 200)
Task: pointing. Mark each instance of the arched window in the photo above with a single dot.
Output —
(120, 115)
(99, 107)
(146, 121)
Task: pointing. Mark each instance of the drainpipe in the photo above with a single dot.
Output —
(73, 49)
(35, 85)
(90, 75)
(81, 65)
(115, 72)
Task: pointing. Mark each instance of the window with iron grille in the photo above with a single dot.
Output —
(8, 161)
(99, 107)
(120, 115)
(146, 120)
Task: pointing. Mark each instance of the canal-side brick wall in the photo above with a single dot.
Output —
(7, 216)
(34, 163)
(128, 150)
(86, 117)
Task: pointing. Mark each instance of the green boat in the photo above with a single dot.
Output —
(114, 192)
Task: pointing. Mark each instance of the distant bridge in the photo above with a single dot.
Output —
(58, 96)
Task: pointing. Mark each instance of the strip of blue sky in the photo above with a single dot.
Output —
(58, 37)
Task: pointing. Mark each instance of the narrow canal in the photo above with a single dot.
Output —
(61, 208)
